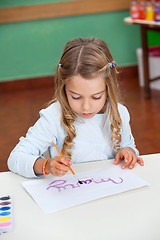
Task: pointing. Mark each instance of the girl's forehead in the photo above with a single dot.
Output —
(79, 84)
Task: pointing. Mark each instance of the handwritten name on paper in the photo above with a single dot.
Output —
(65, 192)
(63, 185)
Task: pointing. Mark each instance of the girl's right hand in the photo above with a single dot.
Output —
(58, 166)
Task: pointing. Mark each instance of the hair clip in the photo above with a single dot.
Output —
(59, 64)
(112, 64)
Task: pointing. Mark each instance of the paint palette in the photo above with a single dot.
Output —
(5, 214)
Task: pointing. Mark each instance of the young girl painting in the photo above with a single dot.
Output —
(85, 119)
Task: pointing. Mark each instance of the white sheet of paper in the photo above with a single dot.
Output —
(65, 192)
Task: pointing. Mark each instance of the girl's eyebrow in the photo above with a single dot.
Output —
(73, 92)
(92, 94)
(99, 92)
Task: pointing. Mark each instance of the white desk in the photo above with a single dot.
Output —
(128, 216)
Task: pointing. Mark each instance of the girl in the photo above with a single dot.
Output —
(85, 120)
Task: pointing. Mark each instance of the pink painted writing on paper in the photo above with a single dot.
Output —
(63, 185)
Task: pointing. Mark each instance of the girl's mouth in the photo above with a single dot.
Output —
(87, 114)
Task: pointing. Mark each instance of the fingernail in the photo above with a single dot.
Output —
(123, 167)
(126, 160)
(130, 166)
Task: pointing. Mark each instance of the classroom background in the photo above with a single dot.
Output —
(32, 38)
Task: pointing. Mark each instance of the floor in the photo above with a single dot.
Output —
(19, 110)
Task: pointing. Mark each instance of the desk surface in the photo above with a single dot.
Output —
(128, 20)
(128, 216)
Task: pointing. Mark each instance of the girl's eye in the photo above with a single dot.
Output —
(97, 98)
(76, 98)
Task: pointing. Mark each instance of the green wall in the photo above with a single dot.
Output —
(33, 48)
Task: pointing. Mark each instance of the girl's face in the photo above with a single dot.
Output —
(86, 97)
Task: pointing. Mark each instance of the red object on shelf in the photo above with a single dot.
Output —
(141, 8)
(134, 13)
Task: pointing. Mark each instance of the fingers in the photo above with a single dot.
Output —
(127, 159)
(118, 158)
(58, 166)
(140, 161)
(132, 161)
(123, 155)
(130, 158)
(61, 166)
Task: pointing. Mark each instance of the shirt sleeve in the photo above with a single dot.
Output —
(30, 148)
(127, 139)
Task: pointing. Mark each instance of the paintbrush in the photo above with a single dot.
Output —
(80, 182)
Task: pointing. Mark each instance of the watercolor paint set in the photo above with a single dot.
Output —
(5, 214)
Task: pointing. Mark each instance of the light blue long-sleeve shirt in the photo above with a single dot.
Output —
(92, 141)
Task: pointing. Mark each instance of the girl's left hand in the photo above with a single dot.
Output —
(129, 156)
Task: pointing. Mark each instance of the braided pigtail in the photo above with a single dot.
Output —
(110, 72)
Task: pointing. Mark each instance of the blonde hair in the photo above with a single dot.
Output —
(89, 58)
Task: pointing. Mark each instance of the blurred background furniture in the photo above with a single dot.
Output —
(145, 27)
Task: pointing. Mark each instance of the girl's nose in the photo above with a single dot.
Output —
(85, 105)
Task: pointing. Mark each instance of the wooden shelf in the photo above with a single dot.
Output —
(60, 9)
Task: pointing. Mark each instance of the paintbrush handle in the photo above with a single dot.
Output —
(63, 157)
(71, 170)
(58, 149)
